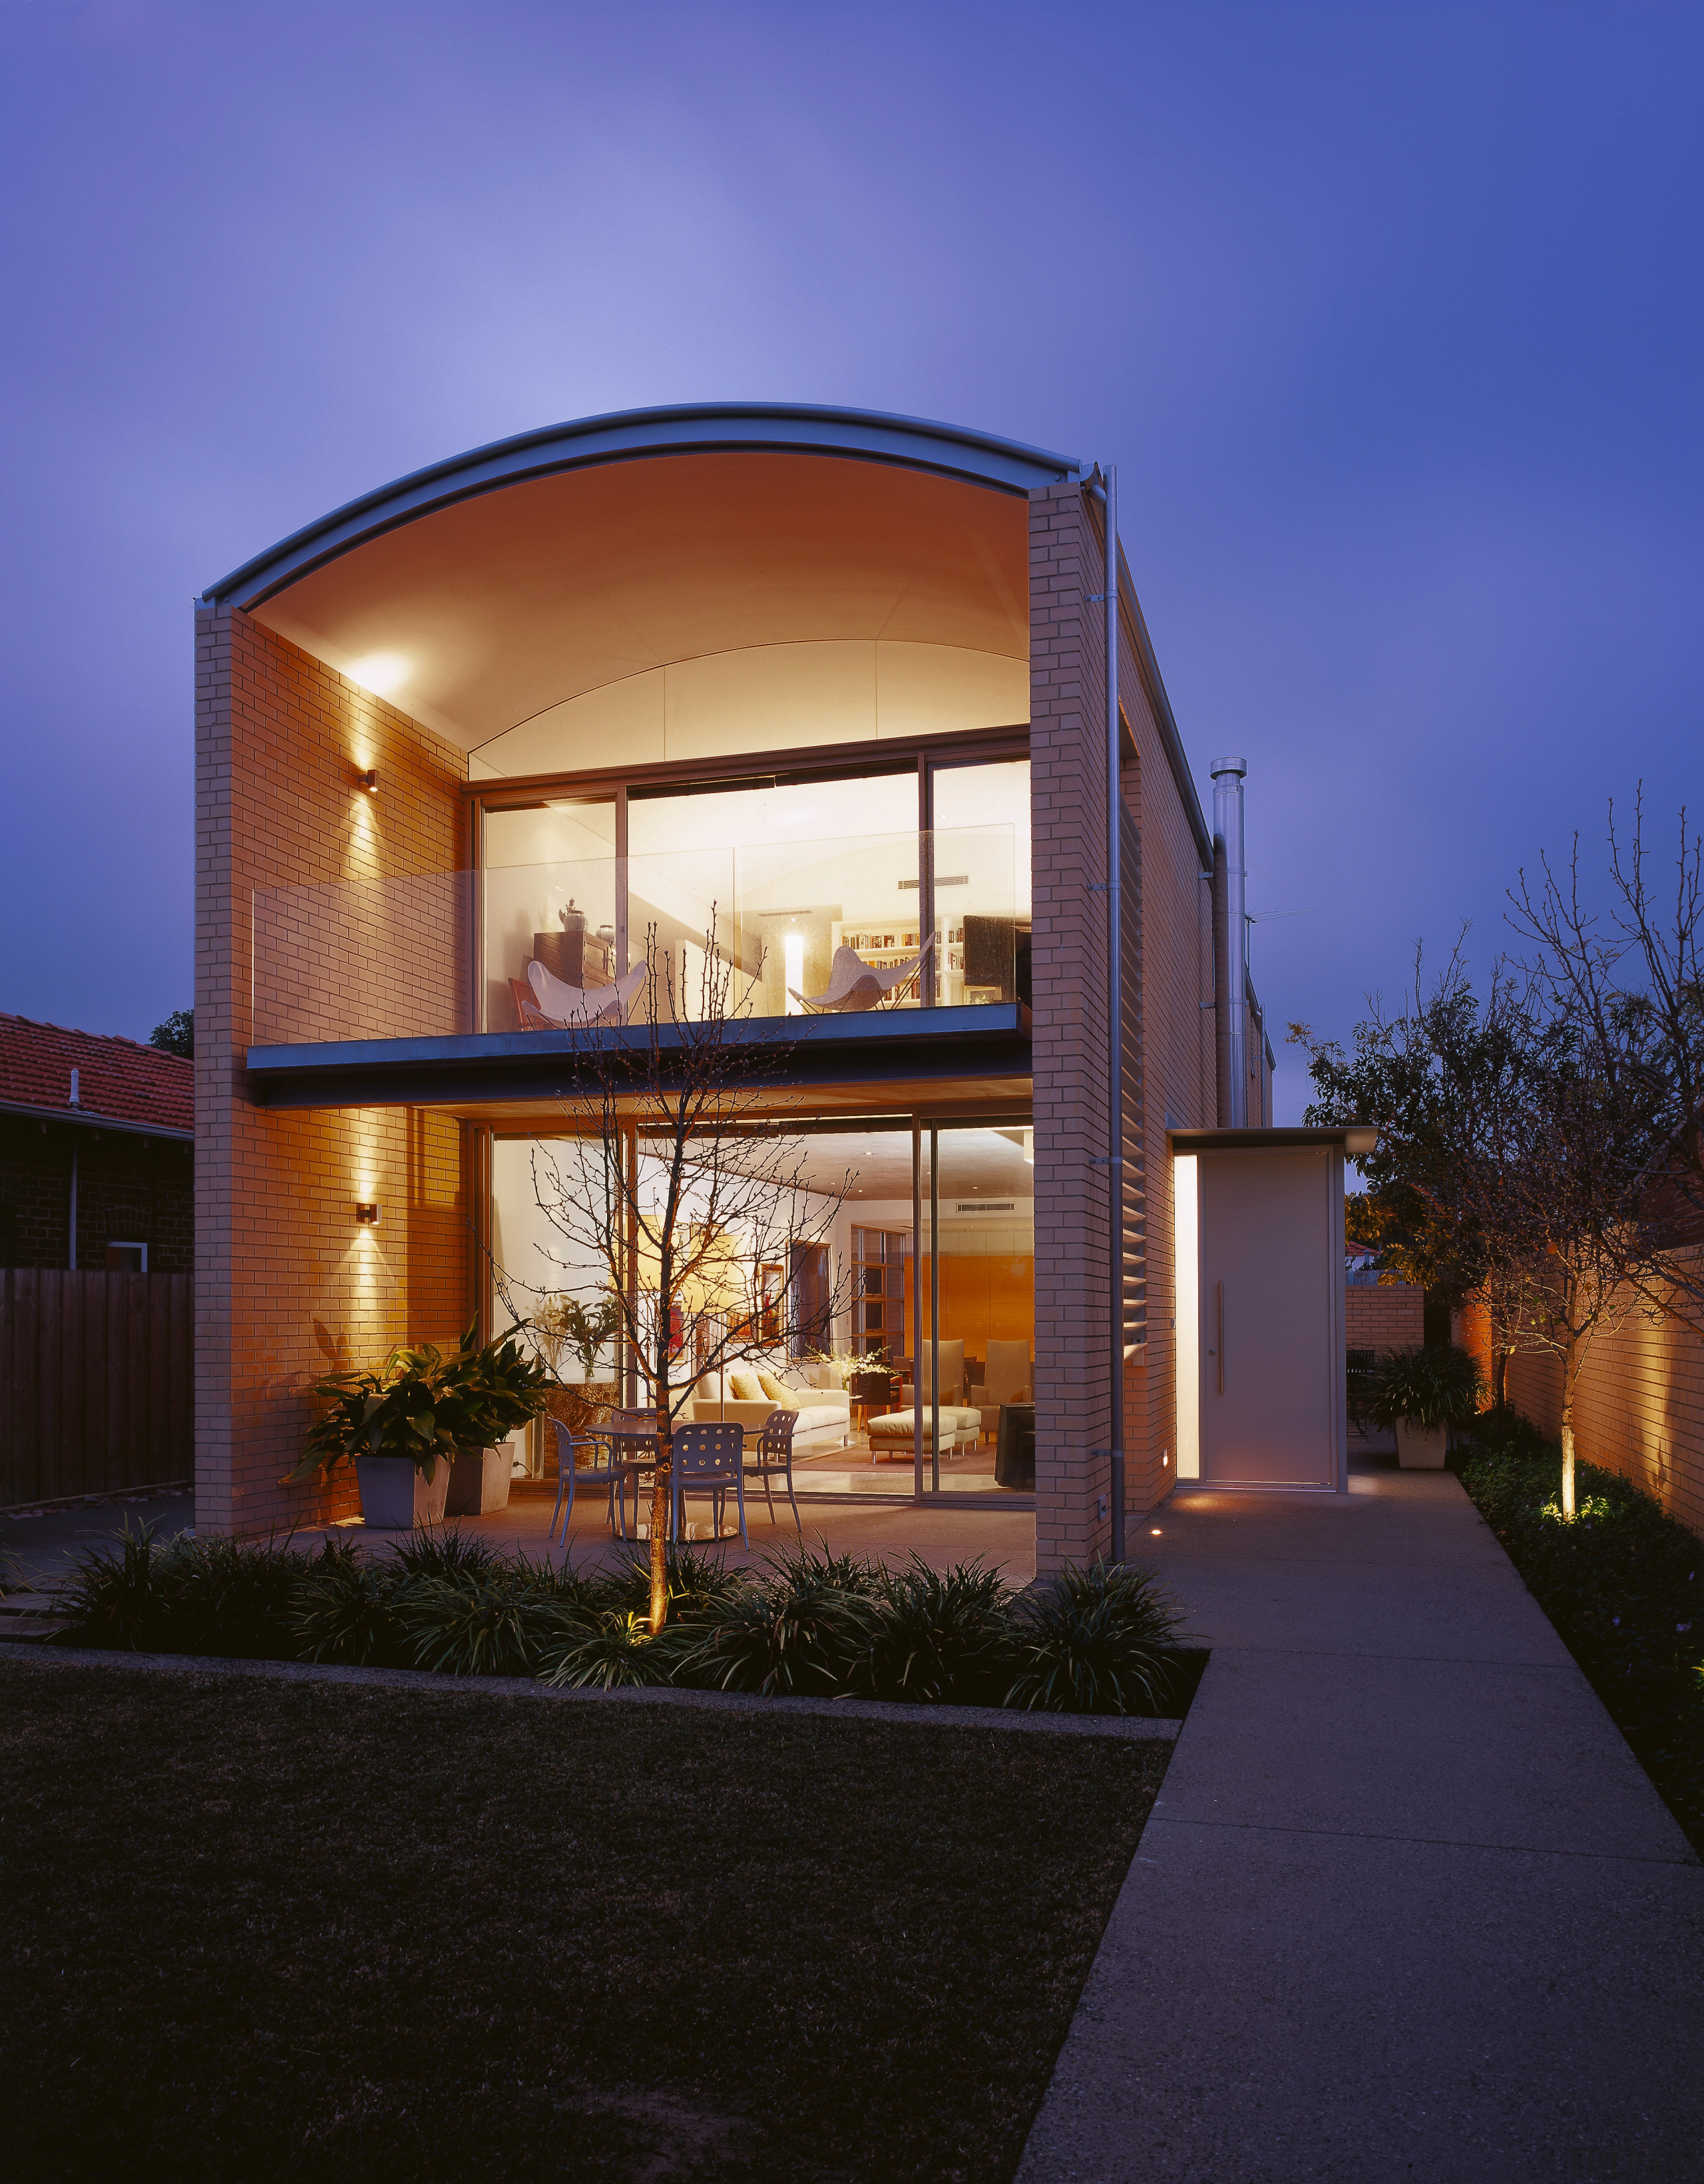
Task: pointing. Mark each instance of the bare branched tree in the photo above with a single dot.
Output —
(1512, 1163)
(1446, 1077)
(677, 1181)
(1629, 985)
(1564, 1261)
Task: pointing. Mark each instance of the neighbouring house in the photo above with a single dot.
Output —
(97, 1138)
(848, 686)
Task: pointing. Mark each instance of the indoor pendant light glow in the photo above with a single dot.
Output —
(381, 672)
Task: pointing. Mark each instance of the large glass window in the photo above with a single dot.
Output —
(824, 893)
(549, 896)
(980, 875)
(790, 872)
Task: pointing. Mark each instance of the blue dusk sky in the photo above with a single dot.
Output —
(1389, 316)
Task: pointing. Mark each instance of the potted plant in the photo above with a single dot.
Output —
(1420, 1393)
(563, 1322)
(410, 1424)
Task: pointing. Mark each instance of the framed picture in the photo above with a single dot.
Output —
(772, 1293)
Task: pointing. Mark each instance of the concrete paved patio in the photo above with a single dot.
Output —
(47, 1544)
(1408, 1907)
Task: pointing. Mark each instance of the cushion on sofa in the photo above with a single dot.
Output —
(745, 1387)
(786, 1398)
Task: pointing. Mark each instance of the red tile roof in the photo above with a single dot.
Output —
(140, 1085)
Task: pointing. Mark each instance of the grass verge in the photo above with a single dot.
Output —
(269, 1932)
(1624, 1585)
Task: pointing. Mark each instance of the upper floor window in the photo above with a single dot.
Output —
(905, 885)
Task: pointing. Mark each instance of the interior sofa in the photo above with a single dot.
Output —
(739, 1396)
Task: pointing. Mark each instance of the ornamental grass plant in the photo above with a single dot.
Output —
(804, 1623)
(1099, 1639)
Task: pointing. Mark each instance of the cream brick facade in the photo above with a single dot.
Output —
(281, 739)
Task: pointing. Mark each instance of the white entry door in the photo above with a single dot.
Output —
(1270, 1259)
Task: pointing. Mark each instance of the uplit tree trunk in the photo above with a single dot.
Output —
(662, 1477)
(1570, 1363)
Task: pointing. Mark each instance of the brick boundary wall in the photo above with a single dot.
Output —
(281, 1272)
(1639, 1409)
(1390, 1316)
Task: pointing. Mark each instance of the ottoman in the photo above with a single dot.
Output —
(893, 1435)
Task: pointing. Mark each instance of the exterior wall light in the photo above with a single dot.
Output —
(369, 781)
(367, 1213)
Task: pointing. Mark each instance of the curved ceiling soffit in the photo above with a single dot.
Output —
(949, 450)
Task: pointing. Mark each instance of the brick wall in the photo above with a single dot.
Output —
(1178, 1064)
(137, 1188)
(282, 1270)
(1069, 827)
(1388, 1317)
(1638, 1409)
(1068, 787)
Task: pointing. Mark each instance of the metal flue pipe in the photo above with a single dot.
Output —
(1227, 825)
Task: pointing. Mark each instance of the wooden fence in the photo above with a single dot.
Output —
(95, 1383)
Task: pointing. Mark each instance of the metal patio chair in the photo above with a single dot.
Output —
(708, 1459)
(774, 1459)
(607, 1474)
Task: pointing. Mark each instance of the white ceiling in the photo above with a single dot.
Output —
(480, 615)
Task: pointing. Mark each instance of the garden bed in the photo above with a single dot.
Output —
(1624, 1585)
(266, 1928)
(803, 1625)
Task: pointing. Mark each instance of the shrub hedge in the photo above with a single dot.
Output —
(1089, 1640)
(1622, 1583)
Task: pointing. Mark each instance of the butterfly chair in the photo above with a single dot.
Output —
(854, 984)
(566, 1007)
(707, 1460)
(606, 1474)
(774, 1459)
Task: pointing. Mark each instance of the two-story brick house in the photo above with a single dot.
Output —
(842, 679)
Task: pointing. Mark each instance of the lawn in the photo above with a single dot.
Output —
(259, 1930)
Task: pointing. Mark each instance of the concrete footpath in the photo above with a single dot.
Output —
(1408, 1908)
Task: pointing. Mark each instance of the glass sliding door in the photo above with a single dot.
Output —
(891, 1293)
(976, 1310)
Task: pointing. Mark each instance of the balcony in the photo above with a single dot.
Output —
(489, 982)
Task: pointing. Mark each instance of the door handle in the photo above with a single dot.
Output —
(1219, 1353)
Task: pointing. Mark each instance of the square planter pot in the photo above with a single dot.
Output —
(1421, 1448)
(479, 1482)
(396, 1494)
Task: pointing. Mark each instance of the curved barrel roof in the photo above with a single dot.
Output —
(871, 435)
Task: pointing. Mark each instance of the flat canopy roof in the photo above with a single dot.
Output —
(1357, 1139)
